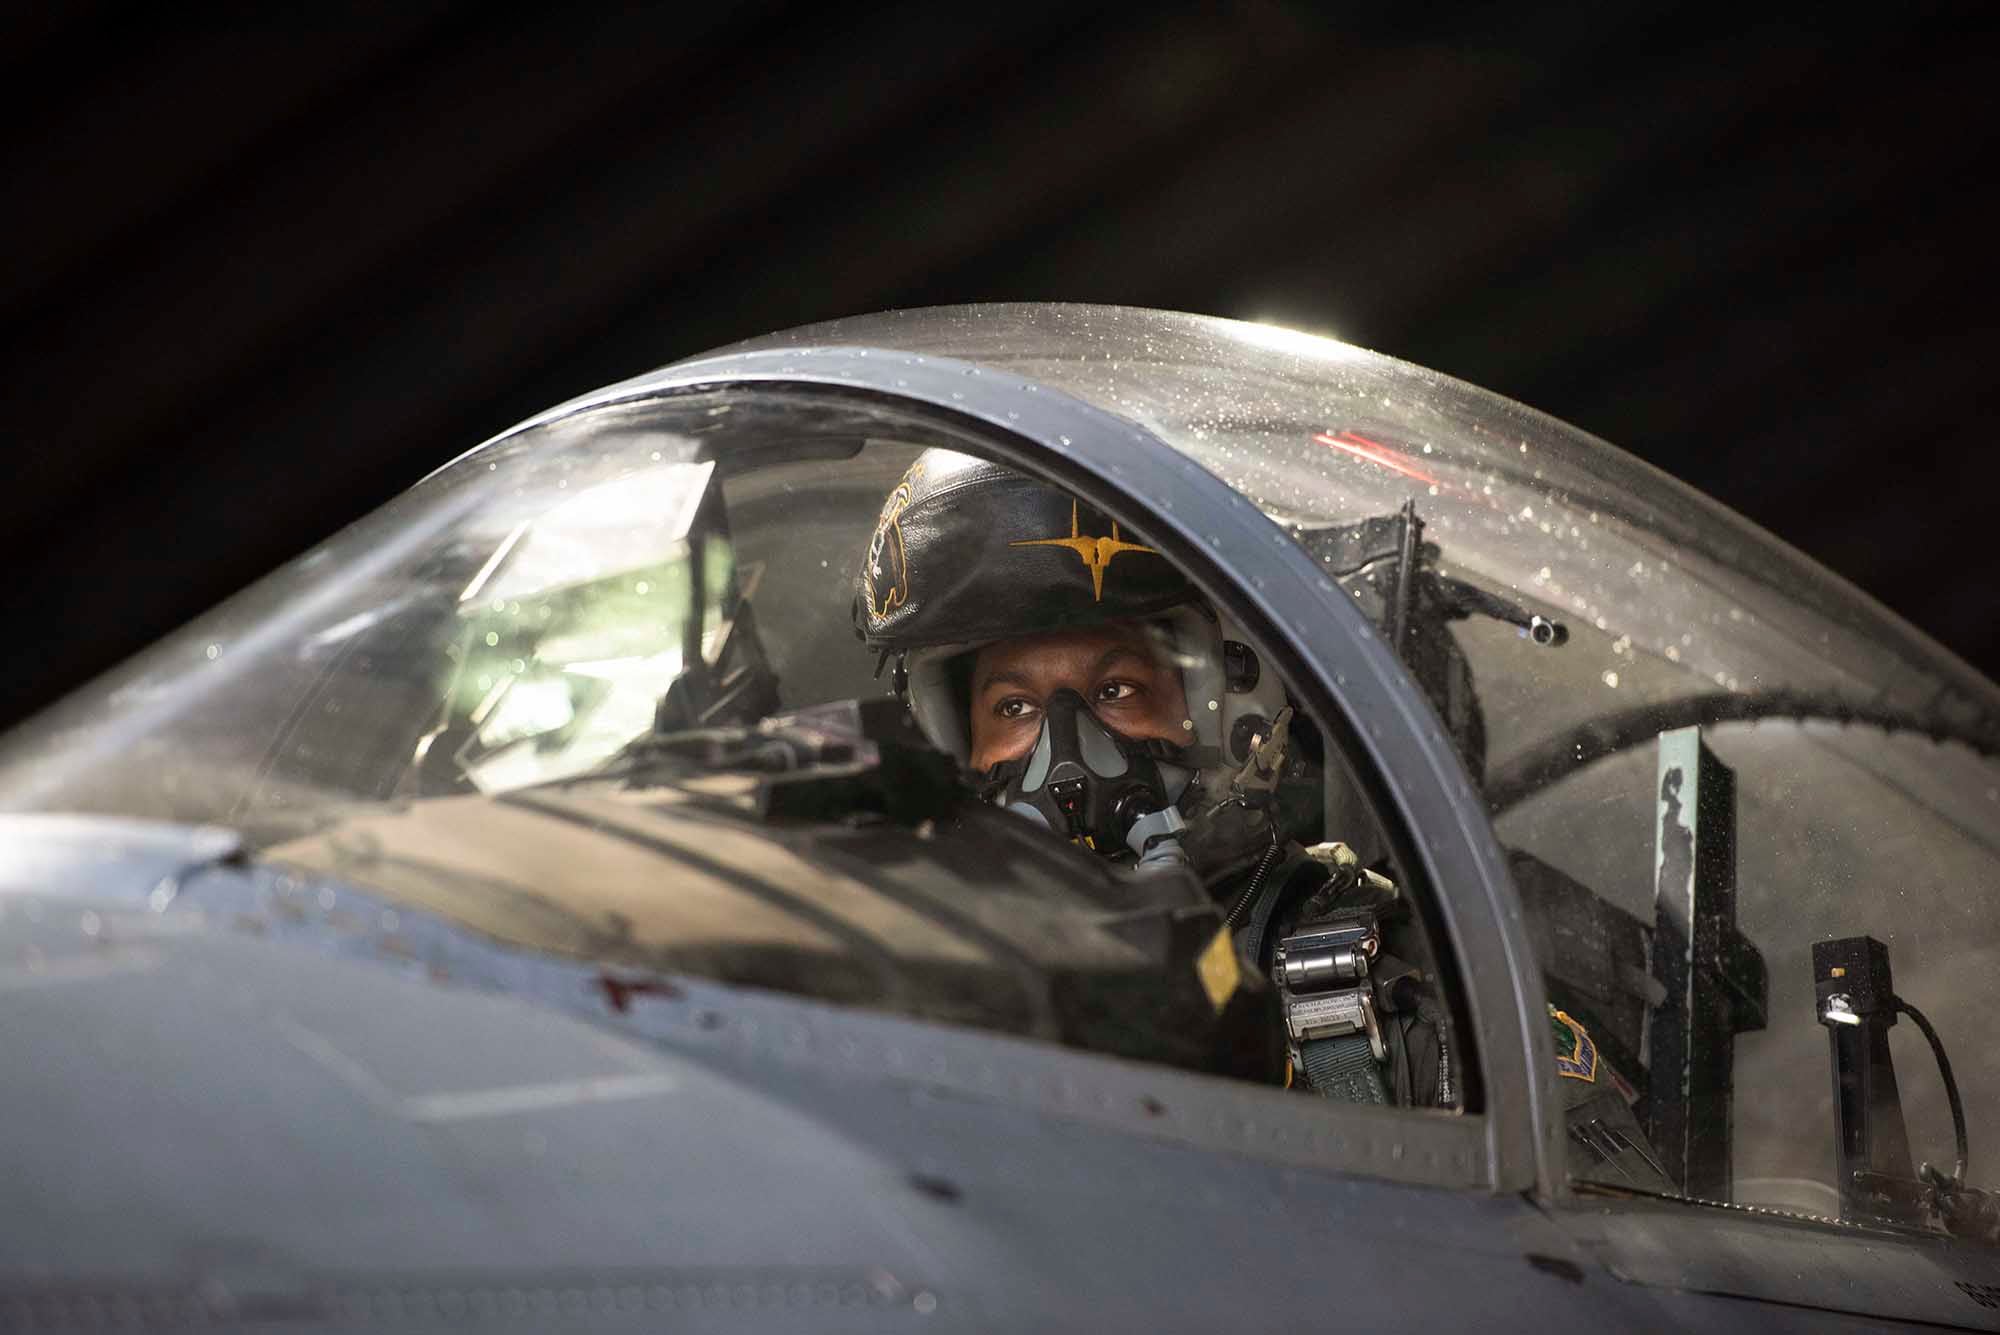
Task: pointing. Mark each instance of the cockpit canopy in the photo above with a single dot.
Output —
(529, 609)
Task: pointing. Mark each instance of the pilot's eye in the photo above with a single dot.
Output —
(1111, 691)
(1014, 706)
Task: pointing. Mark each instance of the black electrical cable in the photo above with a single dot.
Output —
(1256, 882)
(1950, 1085)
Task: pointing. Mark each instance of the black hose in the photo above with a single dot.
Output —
(1950, 1085)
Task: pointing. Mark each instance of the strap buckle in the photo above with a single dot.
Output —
(1322, 976)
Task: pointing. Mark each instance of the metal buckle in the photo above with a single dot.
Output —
(1322, 976)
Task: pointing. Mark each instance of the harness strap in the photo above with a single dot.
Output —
(1343, 1068)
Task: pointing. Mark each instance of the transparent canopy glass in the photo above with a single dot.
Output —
(519, 614)
(1867, 791)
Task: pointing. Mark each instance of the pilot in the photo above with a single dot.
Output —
(1089, 687)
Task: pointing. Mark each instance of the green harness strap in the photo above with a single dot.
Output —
(1343, 1068)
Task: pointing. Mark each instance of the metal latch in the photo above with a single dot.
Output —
(1322, 977)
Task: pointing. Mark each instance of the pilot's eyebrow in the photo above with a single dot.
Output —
(1117, 652)
(1011, 677)
(1003, 676)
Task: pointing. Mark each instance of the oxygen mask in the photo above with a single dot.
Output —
(1087, 782)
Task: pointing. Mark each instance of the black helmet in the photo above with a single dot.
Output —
(966, 552)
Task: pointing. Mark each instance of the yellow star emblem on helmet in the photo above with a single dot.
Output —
(1095, 553)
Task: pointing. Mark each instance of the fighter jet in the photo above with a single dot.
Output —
(675, 867)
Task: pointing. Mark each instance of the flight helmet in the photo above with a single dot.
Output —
(966, 552)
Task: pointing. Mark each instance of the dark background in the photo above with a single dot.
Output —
(265, 272)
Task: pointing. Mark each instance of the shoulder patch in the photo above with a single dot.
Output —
(1576, 1055)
